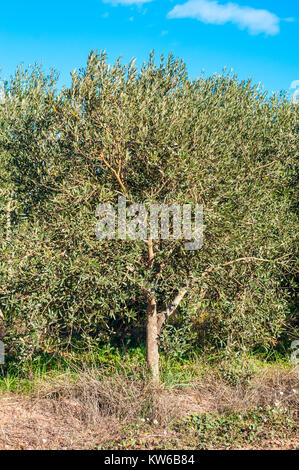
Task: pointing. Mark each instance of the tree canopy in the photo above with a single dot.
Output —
(156, 137)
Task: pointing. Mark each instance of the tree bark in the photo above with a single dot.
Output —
(169, 311)
(152, 344)
(8, 221)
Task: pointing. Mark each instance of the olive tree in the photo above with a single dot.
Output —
(159, 138)
(155, 137)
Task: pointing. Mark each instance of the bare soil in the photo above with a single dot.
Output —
(95, 411)
(44, 424)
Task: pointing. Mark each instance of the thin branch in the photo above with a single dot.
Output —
(162, 317)
(259, 168)
(247, 259)
(229, 263)
(8, 221)
(151, 254)
(117, 176)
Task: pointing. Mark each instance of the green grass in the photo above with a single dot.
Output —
(175, 371)
(249, 429)
(115, 381)
(237, 429)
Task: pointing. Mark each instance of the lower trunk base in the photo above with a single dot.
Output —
(152, 344)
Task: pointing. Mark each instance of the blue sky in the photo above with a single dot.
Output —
(254, 37)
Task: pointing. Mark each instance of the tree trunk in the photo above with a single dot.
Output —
(152, 345)
(8, 221)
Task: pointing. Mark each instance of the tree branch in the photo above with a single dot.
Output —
(150, 252)
(117, 175)
(229, 263)
(162, 317)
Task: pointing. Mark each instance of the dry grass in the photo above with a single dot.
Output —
(27, 423)
(124, 398)
(275, 386)
(269, 387)
(95, 408)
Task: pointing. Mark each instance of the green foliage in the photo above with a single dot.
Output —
(216, 141)
(235, 428)
(176, 341)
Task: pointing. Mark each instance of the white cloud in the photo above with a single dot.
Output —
(210, 11)
(295, 94)
(2, 92)
(127, 2)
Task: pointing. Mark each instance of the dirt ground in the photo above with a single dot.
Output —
(33, 423)
(41, 424)
(45, 424)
